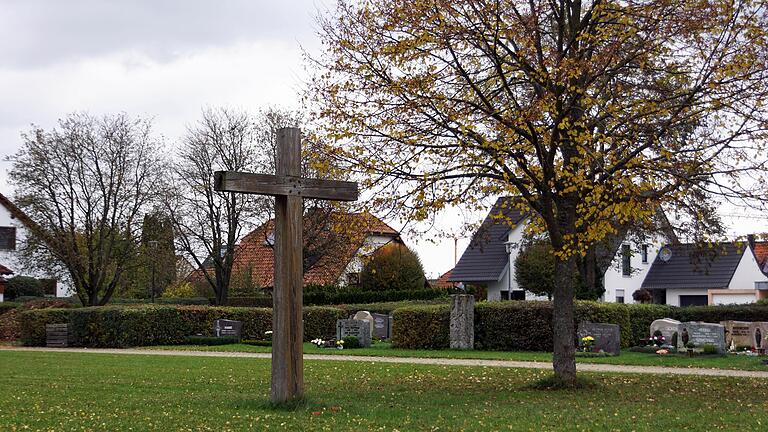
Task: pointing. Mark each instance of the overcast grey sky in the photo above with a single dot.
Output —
(166, 59)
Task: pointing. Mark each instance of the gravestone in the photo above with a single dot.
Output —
(382, 326)
(357, 328)
(668, 327)
(57, 335)
(365, 316)
(227, 328)
(462, 333)
(758, 331)
(737, 333)
(702, 334)
(607, 336)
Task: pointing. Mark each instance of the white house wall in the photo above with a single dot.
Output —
(725, 299)
(614, 278)
(11, 259)
(747, 273)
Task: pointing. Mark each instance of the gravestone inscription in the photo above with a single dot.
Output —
(737, 333)
(607, 336)
(382, 326)
(357, 328)
(227, 328)
(703, 334)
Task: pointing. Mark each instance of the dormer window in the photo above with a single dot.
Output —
(644, 253)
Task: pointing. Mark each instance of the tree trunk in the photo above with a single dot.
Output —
(564, 358)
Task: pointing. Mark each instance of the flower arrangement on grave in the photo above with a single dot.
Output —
(318, 342)
(658, 340)
(587, 342)
(268, 335)
(340, 344)
(662, 352)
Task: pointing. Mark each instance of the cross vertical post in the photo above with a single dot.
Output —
(287, 319)
(289, 190)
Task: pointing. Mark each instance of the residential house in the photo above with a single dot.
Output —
(489, 259)
(15, 228)
(722, 273)
(335, 263)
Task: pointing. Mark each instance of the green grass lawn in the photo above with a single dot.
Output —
(626, 358)
(103, 392)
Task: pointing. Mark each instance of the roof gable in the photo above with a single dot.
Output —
(692, 267)
(486, 257)
(255, 254)
(17, 213)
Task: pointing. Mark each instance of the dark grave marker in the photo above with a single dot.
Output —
(607, 336)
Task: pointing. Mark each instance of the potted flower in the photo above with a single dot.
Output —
(340, 344)
(587, 342)
(690, 346)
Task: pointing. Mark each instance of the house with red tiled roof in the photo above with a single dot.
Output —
(443, 281)
(334, 253)
(15, 228)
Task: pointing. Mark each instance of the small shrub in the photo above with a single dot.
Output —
(690, 345)
(180, 289)
(351, 342)
(709, 349)
(762, 302)
(19, 286)
(392, 267)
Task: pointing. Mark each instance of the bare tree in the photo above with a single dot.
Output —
(208, 223)
(86, 184)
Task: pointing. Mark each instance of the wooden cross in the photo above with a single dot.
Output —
(289, 190)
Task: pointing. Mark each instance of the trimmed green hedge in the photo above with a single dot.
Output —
(32, 324)
(722, 313)
(119, 327)
(527, 325)
(421, 327)
(316, 297)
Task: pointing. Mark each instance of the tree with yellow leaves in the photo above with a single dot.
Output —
(595, 113)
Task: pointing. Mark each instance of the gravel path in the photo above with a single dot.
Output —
(585, 367)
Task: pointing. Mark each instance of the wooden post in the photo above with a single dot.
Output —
(287, 320)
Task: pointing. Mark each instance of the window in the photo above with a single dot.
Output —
(619, 296)
(7, 238)
(644, 253)
(761, 285)
(504, 295)
(517, 295)
(626, 254)
(353, 278)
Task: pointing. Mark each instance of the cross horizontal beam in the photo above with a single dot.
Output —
(284, 185)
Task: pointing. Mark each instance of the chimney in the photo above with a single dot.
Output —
(751, 241)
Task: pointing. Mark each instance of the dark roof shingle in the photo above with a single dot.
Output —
(486, 256)
(694, 267)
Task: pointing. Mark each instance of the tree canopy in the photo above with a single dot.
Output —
(596, 113)
(86, 184)
(392, 267)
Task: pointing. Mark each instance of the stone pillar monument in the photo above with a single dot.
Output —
(462, 321)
